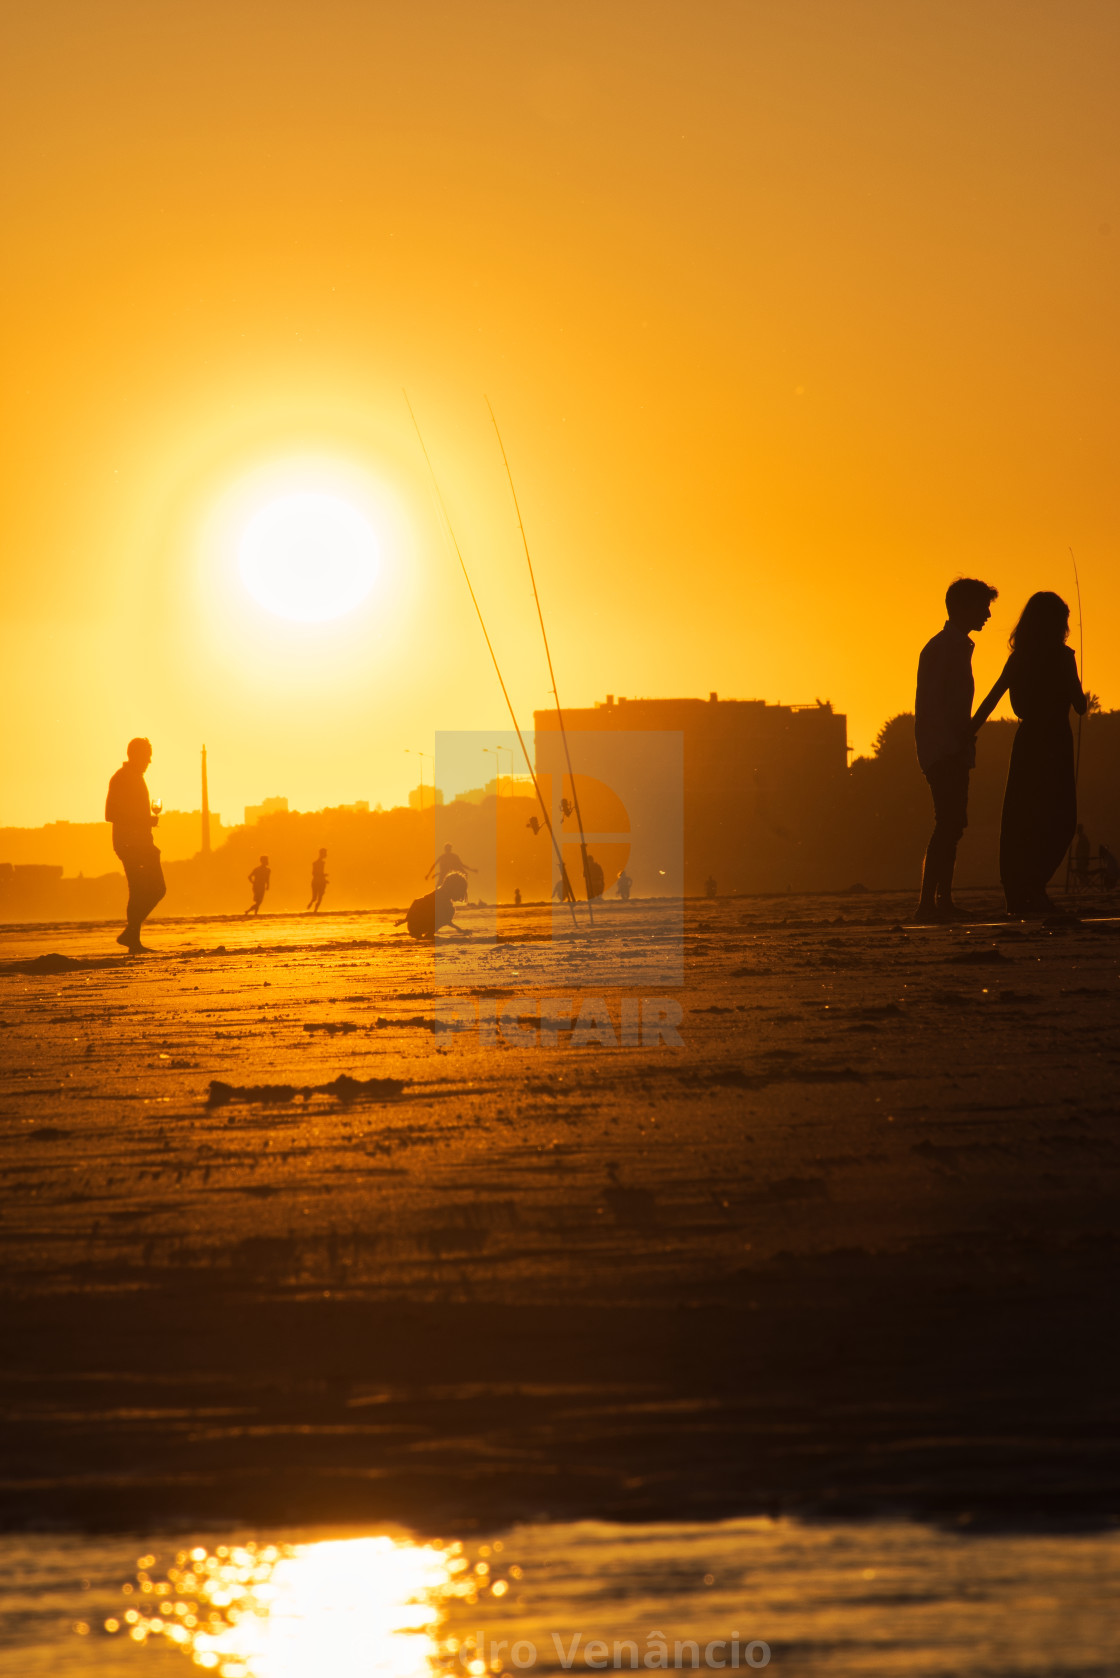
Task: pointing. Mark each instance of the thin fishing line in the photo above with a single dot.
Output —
(548, 656)
(1080, 715)
(1081, 639)
(490, 647)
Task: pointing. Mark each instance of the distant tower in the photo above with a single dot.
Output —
(205, 809)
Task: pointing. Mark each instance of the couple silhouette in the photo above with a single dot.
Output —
(1040, 801)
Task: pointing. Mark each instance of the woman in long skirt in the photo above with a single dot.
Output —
(1040, 803)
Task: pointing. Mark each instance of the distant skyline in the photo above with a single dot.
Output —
(251, 815)
(790, 312)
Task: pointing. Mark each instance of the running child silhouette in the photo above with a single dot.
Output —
(260, 879)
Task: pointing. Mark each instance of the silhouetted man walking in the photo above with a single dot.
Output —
(130, 810)
(945, 740)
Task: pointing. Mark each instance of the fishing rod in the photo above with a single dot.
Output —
(551, 672)
(1080, 714)
(490, 649)
(1081, 640)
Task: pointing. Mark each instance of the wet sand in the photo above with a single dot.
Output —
(852, 1249)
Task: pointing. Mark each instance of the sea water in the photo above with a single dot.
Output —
(830, 1601)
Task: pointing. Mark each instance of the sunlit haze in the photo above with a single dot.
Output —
(789, 312)
(308, 556)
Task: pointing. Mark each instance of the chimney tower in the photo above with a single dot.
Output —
(205, 809)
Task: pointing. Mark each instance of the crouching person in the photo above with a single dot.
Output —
(427, 914)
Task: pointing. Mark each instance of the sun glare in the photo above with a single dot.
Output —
(308, 556)
(343, 1608)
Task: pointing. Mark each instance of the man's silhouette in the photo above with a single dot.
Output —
(594, 877)
(623, 885)
(260, 878)
(710, 887)
(448, 863)
(129, 809)
(319, 881)
(945, 739)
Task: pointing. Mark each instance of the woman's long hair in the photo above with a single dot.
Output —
(1042, 627)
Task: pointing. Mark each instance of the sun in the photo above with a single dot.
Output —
(308, 556)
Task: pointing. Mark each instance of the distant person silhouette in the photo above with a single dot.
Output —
(447, 863)
(133, 816)
(260, 879)
(1109, 867)
(562, 891)
(623, 886)
(517, 897)
(945, 738)
(1040, 800)
(1082, 856)
(427, 914)
(710, 887)
(319, 881)
(594, 877)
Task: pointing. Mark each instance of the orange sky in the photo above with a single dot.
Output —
(790, 311)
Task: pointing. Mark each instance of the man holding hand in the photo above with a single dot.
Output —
(945, 740)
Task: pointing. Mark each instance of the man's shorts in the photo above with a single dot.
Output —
(948, 781)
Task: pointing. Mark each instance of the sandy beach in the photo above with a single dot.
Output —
(850, 1249)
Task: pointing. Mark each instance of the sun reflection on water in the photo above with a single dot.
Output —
(350, 1607)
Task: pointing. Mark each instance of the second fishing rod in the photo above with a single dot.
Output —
(551, 672)
(545, 812)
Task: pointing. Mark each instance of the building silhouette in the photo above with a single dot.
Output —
(267, 807)
(758, 780)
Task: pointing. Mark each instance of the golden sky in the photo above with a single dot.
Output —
(790, 310)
